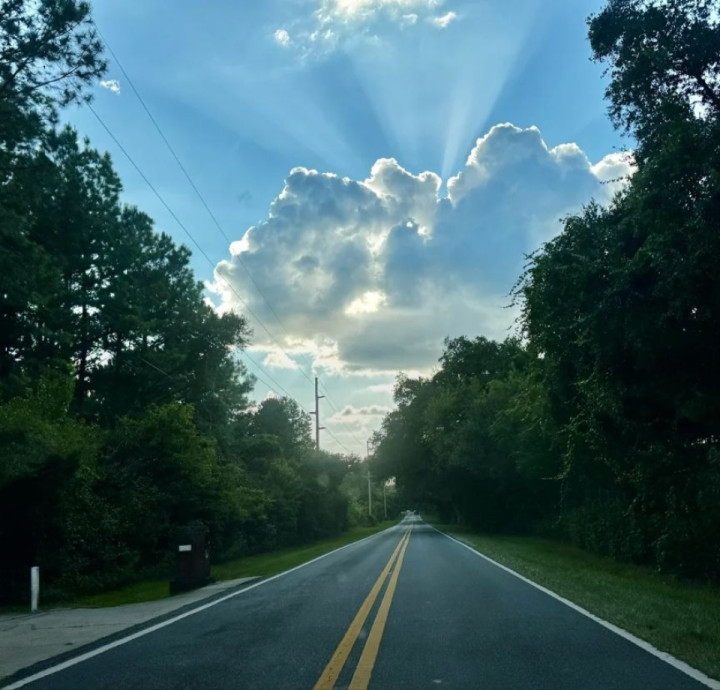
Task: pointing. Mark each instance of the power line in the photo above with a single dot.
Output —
(188, 233)
(180, 223)
(204, 254)
(339, 416)
(200, 196)
(342, 445)
(216, 223)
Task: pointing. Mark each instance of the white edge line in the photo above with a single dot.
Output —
(664, 656)
(146, 631)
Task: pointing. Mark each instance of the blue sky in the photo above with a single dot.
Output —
(381, 166)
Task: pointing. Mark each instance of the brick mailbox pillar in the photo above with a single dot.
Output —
(192, 560)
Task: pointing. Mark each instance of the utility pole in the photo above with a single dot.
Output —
(367, 448)
(385, 498)
(317, 415)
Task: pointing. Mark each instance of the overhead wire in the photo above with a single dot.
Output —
(200, 196)
(204, 254)
(190, 236)
(202, 251)
(217, 224)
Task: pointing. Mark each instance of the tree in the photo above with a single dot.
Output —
(49, 53)
(123, 406)
(48, 464)
(469, 443)
(623, 304)
(287, 422)
(664, 58)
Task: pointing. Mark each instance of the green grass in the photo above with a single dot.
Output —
(262, 564)
(676, 616)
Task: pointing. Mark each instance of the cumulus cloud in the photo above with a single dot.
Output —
(333, 21)
(282, 37)
(278, 359)
(331, 11)
(353, 422)
(443, 21)
(615, 169)
(370, 275)
(111, 85)
(368, 411)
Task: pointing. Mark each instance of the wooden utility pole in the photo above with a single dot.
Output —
(367, 460)
(317, 415)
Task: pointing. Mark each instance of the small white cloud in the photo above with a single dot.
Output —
(365, 10)
(334, 23)
(443, 21)
(370, 410)
(282, 37)
(111, 85)
(368, 303)
(615, 171)
(615, 166)
(367, 411)
(277, 359)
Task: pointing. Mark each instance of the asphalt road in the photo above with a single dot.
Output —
(441, 617)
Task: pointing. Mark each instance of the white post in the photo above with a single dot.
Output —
(34, 588)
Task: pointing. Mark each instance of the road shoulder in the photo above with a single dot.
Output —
(31, 641)
(612, 590)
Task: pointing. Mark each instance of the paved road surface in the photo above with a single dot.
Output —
(408, 608)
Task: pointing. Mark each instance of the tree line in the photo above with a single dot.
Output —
(600, 422)
(124, 410)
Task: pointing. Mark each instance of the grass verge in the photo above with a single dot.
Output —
(262, 564)
(676, 616)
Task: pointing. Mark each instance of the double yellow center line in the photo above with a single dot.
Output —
(361, 677)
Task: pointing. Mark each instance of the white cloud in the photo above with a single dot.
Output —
(370, 275)
(111, 85)
(362, 11)
(356, 422)
(282, 37)
(368, 303)
(333, 22)
(615, 169)
(367, 411)
(279, 359)
(443, 21)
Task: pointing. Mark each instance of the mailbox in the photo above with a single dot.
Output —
(192, 560)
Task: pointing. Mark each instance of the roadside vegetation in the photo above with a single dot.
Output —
(599, 423)
(258, 565)
(677, 616)
(124, 410)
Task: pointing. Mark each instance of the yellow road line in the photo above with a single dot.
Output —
(335, 665)
(361, 677)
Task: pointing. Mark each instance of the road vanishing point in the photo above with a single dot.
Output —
(408, 608)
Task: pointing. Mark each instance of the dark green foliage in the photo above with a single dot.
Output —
(604, 426)
(664, 60)
(123, 409)
(47, 460)
(49, 52)
(465, 443)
